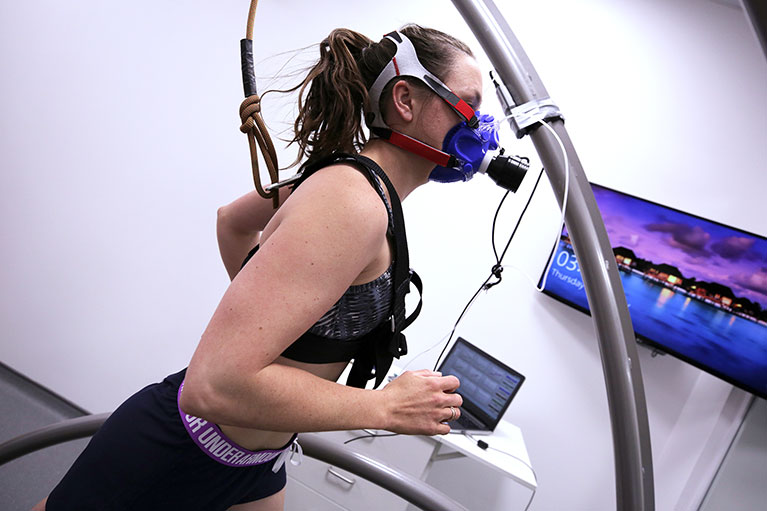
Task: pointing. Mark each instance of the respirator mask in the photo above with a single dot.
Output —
(469, 147)
(477, 150)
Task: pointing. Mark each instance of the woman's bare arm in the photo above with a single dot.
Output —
(239, 226)
(327, 235)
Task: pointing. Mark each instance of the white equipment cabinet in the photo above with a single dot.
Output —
(318, 486)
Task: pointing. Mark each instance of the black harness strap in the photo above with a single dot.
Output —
(374, 352)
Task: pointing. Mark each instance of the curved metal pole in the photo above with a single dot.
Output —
(64, 431)
(756, 12)
(403, 485)
(615, 334)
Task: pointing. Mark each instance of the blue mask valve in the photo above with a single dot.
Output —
(469, 146)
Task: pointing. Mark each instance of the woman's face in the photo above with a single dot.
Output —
(437, 117)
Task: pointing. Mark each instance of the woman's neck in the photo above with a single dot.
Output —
(406, 171)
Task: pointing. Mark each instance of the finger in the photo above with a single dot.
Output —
(427, 372)
(447, 400)
(452, 412)
(449, 383)
(442, 429)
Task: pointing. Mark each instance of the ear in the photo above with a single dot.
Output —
(403, 106)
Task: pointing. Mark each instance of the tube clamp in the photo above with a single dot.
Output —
(524, 117)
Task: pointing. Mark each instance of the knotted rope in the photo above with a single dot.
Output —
(253, 124)
(254, 127)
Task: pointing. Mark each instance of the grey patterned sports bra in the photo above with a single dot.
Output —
(362, 307)
(359, 310)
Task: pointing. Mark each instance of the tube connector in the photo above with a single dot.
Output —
(507, 171)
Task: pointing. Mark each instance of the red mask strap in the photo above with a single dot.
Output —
(416, 147)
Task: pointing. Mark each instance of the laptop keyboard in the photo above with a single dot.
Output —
(466, 422)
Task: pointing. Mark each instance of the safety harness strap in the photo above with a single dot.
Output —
(373, 353)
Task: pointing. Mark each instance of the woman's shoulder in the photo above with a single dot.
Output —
(339, 192)
(342, 185)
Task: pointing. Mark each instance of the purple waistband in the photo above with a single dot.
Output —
(213, 442)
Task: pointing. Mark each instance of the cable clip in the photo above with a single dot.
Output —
(524, 117)
(496, 271)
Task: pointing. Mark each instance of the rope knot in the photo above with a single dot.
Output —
(251, 105)
(255, 130)
(247, 125)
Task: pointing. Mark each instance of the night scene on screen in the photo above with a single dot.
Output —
(695, 288)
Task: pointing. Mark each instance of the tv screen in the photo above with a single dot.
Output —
(695, 288)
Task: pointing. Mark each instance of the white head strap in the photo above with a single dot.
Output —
(405, 63)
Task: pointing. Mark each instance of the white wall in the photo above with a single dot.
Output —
(742, 474)
(119, 140)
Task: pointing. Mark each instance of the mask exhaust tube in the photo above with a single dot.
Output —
(506, 171)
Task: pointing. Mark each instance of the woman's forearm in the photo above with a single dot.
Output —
(233, 244)
(283, 398)
(239, 225)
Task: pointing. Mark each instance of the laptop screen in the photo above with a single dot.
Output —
(487, 384)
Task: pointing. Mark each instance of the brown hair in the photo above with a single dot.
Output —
(334, 95)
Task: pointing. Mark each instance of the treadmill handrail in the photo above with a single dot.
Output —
(403, 485)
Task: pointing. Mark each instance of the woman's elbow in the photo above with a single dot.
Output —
(198, 398)
(223, 216)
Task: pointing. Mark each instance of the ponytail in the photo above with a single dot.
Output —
(330, 111)
(333, 97)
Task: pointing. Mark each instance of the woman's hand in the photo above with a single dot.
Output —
(419, 403)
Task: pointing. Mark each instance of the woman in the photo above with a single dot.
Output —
(214, 436)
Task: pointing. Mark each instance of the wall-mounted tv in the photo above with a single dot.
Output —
(696, 289)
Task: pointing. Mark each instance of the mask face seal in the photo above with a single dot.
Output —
(470, 147)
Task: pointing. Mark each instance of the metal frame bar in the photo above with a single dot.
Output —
(756, 13)
(615, 334)
(403, 485)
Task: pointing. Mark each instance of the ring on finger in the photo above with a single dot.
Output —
(452, 414)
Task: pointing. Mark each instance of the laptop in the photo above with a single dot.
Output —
(487, 387)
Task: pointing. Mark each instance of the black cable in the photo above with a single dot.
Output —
(524, 210)
(459, 320)
(497, 268)
(369, 435)
(495, 219)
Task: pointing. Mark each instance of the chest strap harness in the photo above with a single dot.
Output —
(373, 353)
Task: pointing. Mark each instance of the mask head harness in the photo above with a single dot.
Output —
(405, 63)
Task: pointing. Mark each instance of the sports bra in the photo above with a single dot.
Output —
(361, 308)
(365, 325)
(358, 311)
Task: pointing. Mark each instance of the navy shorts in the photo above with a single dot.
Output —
(143, 458)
